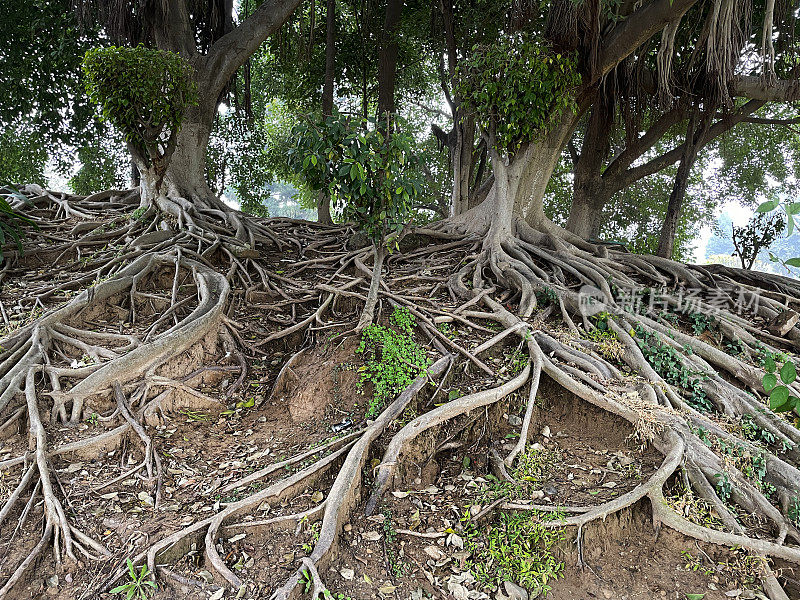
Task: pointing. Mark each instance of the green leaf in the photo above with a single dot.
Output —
(768, 206)
(788, 372)
(793, 262)
(769, 382)
(769, 364)
(778, 398)
(695, 596)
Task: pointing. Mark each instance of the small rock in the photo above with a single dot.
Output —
(515, 592)
(348, 527)
(474, 509)
(52, 582)
(546, 431)
(537, 495)
(217, 595)
(607, 593)
(514, 420)
(348, 574)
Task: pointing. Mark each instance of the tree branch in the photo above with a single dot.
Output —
(635, 30)
(755, 88)
(645, 142)
(232, 50)
(655, 165)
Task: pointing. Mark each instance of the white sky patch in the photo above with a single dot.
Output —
(739, 214)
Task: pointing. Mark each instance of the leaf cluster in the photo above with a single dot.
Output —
(515, 86)
(666, 361)
(780, 398)
(369, 169)
(392, 359)
(143, 92)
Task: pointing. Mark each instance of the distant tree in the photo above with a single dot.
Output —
(23, 157)
(40, 75)
(759, 233)
(101, 169)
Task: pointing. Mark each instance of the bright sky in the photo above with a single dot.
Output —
(738, 214)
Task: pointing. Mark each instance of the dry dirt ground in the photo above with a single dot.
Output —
(594, 459)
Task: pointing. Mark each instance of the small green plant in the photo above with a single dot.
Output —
(517, 362)
(448, 330)
(454, 394)
(601, 321)
(546, 296)
(392, 359)
(517, 548)
(793, 511)
(314, 528)
(701, 322)
(396, 565)
(666, 361)
(138, 213)
(93, 419)
(138, 586)
(724, 487)
(780, 399)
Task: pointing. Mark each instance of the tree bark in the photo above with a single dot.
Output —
(463, 162)
(323, 198)
(589, 195)
(387, 59)
(666, 241)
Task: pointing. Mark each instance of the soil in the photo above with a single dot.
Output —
(204, 452)
(407, 549)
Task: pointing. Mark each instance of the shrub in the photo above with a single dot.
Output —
(144, 93)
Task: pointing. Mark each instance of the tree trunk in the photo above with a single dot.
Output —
(372, 296)
(589, 197)
(463, 162)
(324, 208)
(387, 58)
(172, 30)
(586, 212)
(666, 240)
(323, 198)
(519, 186)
